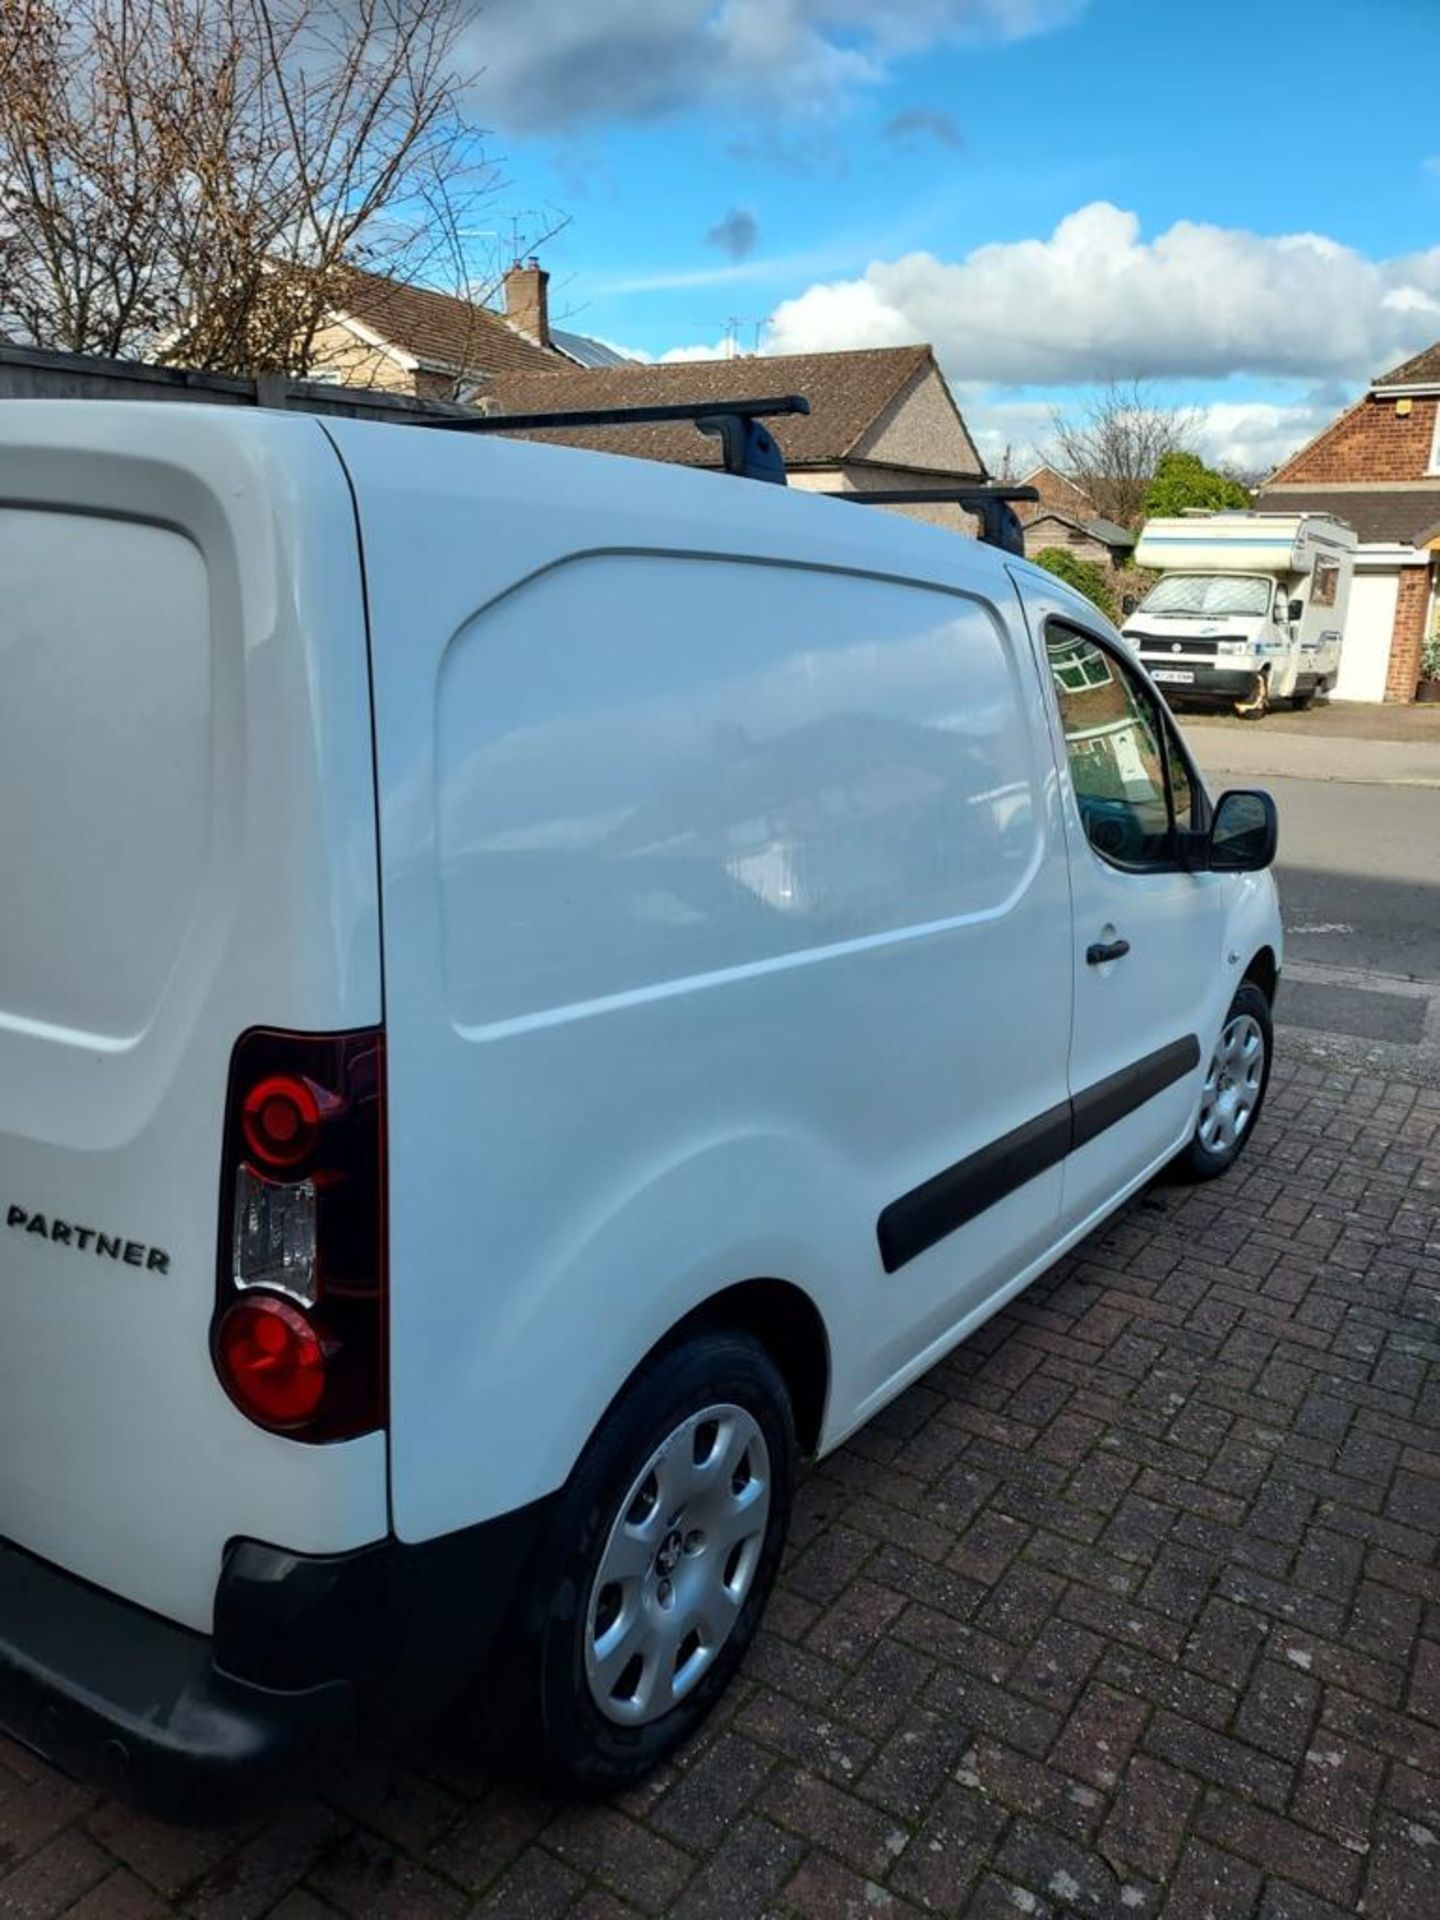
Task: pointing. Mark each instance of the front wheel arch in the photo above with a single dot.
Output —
(1264, 972)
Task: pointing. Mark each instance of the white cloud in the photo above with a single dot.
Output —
(721, 350)
(1096, 299)
(1255, 436)
(1252, 436)
(552, 63)
(1020, 428)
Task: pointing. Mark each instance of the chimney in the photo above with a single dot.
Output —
(527, 305)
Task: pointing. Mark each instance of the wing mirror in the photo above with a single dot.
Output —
(1128, 605)
(1297, 609)
(1244, 832)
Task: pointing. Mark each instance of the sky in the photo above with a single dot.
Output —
(1238, 200)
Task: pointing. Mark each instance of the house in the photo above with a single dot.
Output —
(1378, 466)
(409, 339)
(1095, 539)
(1058, 494)
(1065, 516)
(880, 418)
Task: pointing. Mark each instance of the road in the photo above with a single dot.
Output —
(1360, 870)
(1359, 874)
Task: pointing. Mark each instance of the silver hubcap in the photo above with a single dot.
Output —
(679, 1562)
(1232, 1086)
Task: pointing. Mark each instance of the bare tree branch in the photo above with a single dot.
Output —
(1112, 447)
(194, 180)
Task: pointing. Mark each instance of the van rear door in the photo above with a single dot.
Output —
(187, 851)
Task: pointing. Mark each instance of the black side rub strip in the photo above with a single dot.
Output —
(1109, 1100)
(925, 1215)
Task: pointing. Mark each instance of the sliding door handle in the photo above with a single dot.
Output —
(1104, 950)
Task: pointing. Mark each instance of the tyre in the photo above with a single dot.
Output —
(1234, 1090)
(653, 1571)
(1301, 702)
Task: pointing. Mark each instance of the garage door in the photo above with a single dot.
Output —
(1368, 627)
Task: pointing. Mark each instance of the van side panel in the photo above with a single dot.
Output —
(724, 905)
(187, 850)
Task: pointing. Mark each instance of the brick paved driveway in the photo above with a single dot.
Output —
(1131, 1607)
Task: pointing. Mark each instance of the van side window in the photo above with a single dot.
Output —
(1327, 583)
(1113, 737)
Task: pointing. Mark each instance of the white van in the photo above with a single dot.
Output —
(1250, 609)
(535, 989)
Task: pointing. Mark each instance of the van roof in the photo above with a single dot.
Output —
(762, 519)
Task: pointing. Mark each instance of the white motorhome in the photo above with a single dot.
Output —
(535, 988)
(1250, 609)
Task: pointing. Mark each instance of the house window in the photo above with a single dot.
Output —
(1077, 665)
(1327, 583)
(1434, 466)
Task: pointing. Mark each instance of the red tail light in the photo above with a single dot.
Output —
(272, 1359)
(281, 1118)
(298, 1337)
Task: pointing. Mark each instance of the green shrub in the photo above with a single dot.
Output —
(1086, 576)
(1182, 481)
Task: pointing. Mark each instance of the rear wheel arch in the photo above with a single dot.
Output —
(788, 1324)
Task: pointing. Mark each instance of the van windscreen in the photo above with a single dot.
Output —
(1208, 593)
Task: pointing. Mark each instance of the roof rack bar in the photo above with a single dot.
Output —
(747, 448)
(989, 501)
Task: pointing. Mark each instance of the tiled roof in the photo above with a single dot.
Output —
(439, 330)
(1403, 516)
(847, 392)
(1422, 370)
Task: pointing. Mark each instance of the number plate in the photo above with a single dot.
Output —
(1181, 676)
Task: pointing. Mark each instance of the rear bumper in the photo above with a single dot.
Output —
(309, 1654)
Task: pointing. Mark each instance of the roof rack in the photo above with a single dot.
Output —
(746, 447)
(999, 523)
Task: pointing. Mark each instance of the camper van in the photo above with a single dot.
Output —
(536, 989)
(1250, 610)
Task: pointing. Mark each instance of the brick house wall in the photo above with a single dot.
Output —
(1057, 495)
(1412, 604)
(1372, 442)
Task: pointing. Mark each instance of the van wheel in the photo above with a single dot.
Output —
(1234, 1090)
(1302, 701)
(1258, 705)
(653, 1571)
